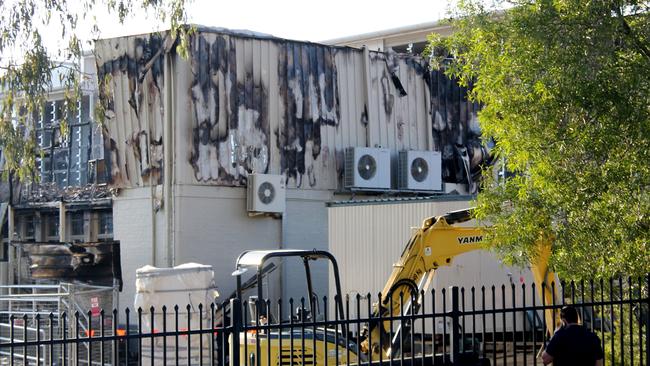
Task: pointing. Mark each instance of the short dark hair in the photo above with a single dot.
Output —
(569, 313)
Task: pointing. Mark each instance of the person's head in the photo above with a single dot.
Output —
(569, 315)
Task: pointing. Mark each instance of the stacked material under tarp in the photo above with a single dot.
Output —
(189, 286)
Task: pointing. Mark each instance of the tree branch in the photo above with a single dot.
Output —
(630, 33)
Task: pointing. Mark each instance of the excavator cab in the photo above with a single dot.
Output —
(259, 262)
(288, 342)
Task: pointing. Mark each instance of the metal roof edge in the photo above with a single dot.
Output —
(391, 32)
(396, 200)
(240, 33)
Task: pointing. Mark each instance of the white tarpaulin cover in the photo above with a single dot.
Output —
(187, 284)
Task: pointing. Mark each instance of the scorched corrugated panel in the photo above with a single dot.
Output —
(244, 103)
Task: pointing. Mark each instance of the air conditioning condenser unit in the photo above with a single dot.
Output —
(419, 171)
(265, 193)
(367, 168)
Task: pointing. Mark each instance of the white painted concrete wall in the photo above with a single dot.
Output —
(212, 227)
(133, 227)
(305, 227)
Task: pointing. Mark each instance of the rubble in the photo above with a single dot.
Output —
(51, 192)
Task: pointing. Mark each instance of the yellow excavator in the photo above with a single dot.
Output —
(433, 245)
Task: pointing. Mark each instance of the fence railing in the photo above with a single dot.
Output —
(38, 308)
(504, 325)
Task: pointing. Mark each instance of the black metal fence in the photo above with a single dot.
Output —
(505, 325)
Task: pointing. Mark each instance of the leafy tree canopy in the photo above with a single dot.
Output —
(565, 86)
(29, 58)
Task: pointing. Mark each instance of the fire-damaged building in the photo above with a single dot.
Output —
(58, 249)
(239, 146)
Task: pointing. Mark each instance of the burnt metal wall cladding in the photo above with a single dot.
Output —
(245, 104)
(456, 131)
(232, 134)
(130, 75)
(308, 85)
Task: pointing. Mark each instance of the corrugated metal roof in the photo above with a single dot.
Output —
(396, 200)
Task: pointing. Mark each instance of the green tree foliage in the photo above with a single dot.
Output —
(27, 61)
(565, 86)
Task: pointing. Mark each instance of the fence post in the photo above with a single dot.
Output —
(647, 322)
(236, 329)
(455, 340)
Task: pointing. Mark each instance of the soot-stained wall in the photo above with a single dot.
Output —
(131, 82)
(232, 134)
(456, 132)
(245, 103)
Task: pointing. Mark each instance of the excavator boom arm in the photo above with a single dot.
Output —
(433, 245)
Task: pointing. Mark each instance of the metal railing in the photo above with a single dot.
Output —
(36, 312)
(505, 325)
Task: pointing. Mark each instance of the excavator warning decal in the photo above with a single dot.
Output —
(470, 239)
(427, 251)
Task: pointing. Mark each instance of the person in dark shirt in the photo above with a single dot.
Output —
(573, 344)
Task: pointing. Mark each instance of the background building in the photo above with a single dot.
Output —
(408, 39)
(68, 200)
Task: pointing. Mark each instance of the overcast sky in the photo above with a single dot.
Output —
(300, 20)
(293, 19)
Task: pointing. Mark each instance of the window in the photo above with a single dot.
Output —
(64, 159)
(51, 227)
(105, 231)
(30, 230)
(76, 226)
(25, 228)
(4, 251)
